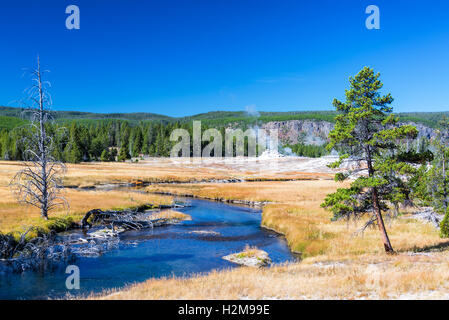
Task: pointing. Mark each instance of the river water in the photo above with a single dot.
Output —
(195, 246)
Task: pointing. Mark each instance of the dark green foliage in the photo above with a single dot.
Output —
(76, 142)
(444, 227)
(73, 153)
(124, 153)
(305, 150)
(343, 202)
(105, 156)
(416, 157)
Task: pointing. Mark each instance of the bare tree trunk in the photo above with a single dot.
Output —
(376, 207)
(42, 146)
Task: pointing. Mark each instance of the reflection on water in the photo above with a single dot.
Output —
(190, 247)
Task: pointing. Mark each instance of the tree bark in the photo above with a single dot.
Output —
(380, 223)
(376, 206)
(42, 146)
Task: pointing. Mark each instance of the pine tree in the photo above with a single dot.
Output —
(124, 153)
(97, 146)
(112, 154)
(73, 152)
(159, 145)
(367, 131)
(105, 155)
(6, 146)
(137, 141)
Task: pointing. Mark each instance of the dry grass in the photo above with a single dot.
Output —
(90, 174)
(299, 192)
(365, 277)
(171, 214)
(308, 230)
(16, 217)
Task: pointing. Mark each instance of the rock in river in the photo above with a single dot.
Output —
(250, 257)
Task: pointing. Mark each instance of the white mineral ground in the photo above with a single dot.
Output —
(269, 162)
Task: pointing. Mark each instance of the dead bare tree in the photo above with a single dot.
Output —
(39, 182)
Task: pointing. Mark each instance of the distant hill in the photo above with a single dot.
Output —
(429, 119)
(137, 116)
(241, 116)
(14, 117)
(9, 123)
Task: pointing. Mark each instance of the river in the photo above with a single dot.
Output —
(195, 246)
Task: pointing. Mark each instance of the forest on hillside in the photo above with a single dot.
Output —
(81, 136)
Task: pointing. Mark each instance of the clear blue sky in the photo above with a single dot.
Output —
(186, 57)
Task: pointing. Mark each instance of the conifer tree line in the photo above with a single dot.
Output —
(102, 140)
(117, 140)
(109, 140)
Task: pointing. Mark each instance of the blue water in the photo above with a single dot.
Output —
(158, 252)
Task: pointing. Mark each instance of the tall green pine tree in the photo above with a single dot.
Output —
(367, 131)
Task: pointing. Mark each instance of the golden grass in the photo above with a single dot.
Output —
(299, 192)
(365, 277)
(171, 214)
(308, 230)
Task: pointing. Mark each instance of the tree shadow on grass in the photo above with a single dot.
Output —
(436, 247)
